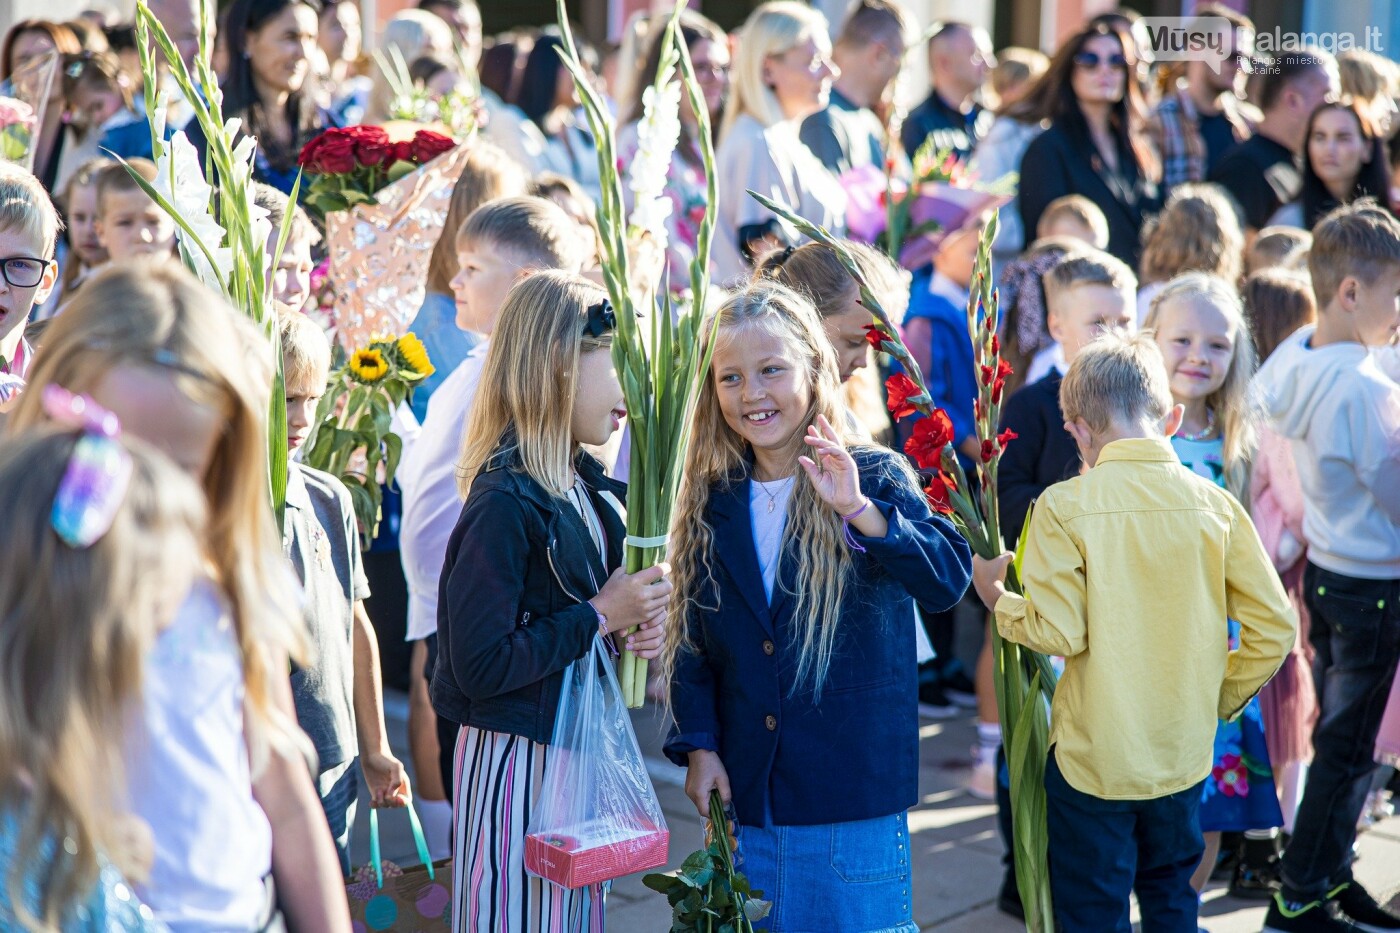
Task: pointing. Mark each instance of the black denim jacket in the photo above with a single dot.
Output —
(512, 610)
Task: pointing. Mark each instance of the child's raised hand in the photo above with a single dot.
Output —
(988, 576)
(831, 468)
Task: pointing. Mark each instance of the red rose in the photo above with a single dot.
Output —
(372, 144)
(403, 151)
(937, 494)
(930, 436)
(875, 336)
(901, 389)
(428, 145)
(333, 152)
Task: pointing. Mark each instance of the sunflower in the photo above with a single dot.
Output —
(415, 355)
(368, 365)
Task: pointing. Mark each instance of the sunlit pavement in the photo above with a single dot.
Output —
(956, 849)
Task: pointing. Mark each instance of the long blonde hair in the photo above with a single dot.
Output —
(154, 314)
(772, 29)
(1238, 430)
(718, 457)
(524, 403)
(75, 624)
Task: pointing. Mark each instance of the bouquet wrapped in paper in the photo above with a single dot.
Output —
(23, 99)
(384, 203)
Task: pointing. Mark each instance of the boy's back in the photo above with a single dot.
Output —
(1130, 573)
(1342, 412)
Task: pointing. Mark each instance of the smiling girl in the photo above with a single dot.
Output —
(1199, 324)
(797, 561)
(531, 579)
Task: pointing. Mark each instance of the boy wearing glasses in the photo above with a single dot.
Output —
(29, 228)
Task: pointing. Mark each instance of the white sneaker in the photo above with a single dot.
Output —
(982, 784)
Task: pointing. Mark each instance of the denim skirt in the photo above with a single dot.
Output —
(832, 878)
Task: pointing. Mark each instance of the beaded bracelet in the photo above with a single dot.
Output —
(846, 520)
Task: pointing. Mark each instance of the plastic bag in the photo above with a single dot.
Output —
(597, 817)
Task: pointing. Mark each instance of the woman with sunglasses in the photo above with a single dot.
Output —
(1095, 145)
(782, 74)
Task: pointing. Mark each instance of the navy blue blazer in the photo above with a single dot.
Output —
(851, 754)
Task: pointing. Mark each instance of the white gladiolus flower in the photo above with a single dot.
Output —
(657, 136)
(180, 180)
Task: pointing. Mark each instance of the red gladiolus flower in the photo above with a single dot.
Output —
(996, 391)
(948, 480)
(1004, 368)
(987, 375)
(996, 344)
(901, 389)
(937, 494)
(989, 450)
(1006, 437)
(930, 436)
(874, 336)
(977, 409)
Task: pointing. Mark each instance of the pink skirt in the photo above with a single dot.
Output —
(1289, 701)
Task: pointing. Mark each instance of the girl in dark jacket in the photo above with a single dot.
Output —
(530, 580)
(793, 680)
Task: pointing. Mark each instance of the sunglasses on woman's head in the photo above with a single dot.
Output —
(1091, 60)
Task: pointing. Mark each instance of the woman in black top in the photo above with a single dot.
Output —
(1342, 160)
(1095, 146)
(269, 84)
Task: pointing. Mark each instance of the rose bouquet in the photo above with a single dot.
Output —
(659, 354)
(352, 438)
(349, 165)
(1025, 681)
(23, 98)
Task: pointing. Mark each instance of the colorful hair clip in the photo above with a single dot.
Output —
(98, 473)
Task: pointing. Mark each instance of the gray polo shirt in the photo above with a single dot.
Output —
(321, 539)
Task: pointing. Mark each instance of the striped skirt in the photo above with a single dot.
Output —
(498, 778)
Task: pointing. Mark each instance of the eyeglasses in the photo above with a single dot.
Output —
(22, 272)
(1091, 60)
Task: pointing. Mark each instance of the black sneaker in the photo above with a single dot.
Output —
(1358, 906)
(1303, 918)
(934, 703)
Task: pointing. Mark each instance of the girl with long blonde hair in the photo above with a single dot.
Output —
(782, 74)
(531, 578)
(797, 555)
(79, 607)
(227, 792)
(1199, 323)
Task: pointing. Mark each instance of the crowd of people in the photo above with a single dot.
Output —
(1199, 282)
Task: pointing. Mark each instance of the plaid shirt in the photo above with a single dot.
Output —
(1175, 128)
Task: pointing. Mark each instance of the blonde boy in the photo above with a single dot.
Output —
(1147, 665)
(1086, 295)
(1074, 216)
(338, 699)
(289, 282)
(499, 244)
(1325, 389)
(29, 227)
(129, 223)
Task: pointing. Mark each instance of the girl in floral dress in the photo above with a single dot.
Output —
(1198, 322)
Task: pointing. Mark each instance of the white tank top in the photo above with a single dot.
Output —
(189, 777)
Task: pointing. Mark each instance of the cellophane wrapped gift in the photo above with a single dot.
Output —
(24, 96)
(598, 817)
(379, 252)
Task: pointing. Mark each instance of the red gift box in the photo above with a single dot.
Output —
(576, 859)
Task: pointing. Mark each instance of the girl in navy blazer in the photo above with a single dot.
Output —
(792, 679)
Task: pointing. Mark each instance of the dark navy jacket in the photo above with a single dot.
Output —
(853, 754)
(1042, 454)
(512, 610)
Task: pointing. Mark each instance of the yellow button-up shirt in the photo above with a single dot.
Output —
(1130, 573)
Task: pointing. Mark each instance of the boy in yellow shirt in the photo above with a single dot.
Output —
(1131, 571)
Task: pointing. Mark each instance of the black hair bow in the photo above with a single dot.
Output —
(601, 320)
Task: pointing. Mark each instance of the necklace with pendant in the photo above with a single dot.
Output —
(772, 499)
(1202, 434)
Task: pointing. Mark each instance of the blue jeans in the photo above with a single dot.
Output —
(834, 877)
(1103, 850)
(339, 789)
(1356, 634)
